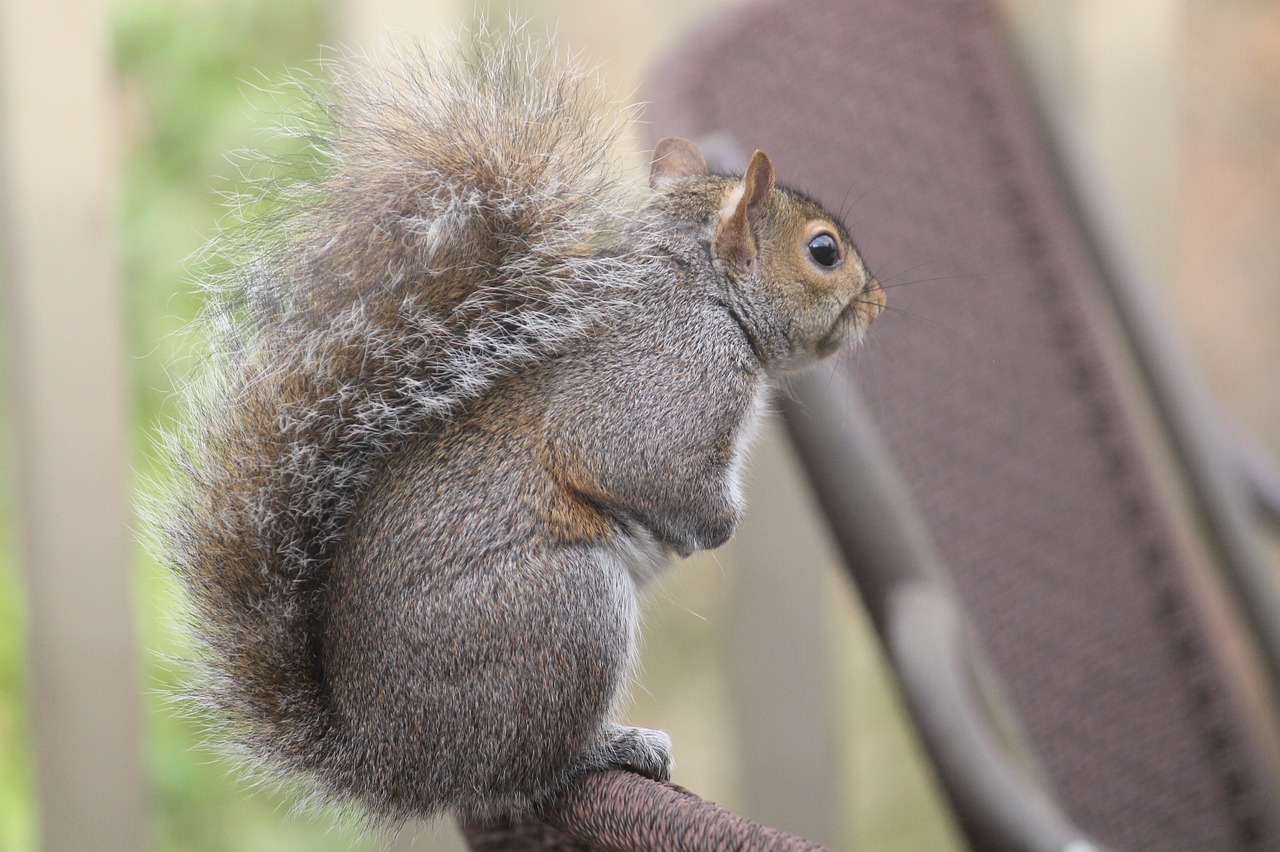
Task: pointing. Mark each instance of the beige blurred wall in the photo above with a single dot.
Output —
(1226, 290)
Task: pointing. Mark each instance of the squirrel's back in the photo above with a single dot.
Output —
(452, 235)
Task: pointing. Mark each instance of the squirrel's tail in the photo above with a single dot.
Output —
(451, 234)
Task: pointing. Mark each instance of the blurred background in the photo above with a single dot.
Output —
(116, 124)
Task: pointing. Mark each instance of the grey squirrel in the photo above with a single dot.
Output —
(462, 400)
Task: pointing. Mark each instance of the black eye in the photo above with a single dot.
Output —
(824, 250)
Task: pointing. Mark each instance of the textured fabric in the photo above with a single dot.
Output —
(622, 811)
(989, 383)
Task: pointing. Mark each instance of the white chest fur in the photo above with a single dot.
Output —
(639, 553)
(747, 432)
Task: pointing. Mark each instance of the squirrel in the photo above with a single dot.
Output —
(465, 396)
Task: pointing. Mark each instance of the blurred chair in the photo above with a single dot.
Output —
(1035, 531)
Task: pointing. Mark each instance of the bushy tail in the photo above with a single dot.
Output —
(450, 235)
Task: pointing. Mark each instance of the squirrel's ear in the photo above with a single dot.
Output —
(673, 159)
(735, 241)
(756, 184)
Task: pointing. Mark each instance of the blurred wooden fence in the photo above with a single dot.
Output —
(69, 402)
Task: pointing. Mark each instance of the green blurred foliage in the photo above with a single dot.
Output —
(17, 796)
(197, 82)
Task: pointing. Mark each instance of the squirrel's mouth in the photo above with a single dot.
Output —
(859, 313)
(851, 322)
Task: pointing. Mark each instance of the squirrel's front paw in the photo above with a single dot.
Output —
(641, 750)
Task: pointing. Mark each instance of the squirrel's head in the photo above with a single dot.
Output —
(796, 281)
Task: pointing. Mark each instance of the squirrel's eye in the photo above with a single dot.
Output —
(824, 250)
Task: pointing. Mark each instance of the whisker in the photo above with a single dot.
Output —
(844, 207)
(845, 201)
(903, 272)
(884, 286)
(918, 318)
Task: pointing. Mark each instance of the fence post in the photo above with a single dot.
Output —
(68, 403)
